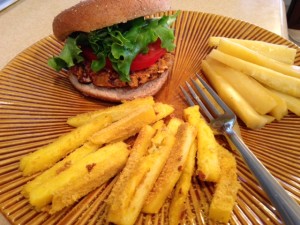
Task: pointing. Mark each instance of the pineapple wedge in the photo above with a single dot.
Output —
(281, 109)
(234, 100)
(293, 104)
(239, 51)
(281, 53)
(273, 79)
(263, 102)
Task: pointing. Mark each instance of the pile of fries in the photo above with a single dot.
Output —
(256, 79)
(159, 165)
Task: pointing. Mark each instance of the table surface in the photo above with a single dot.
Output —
(27, 21)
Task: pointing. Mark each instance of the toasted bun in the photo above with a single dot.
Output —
(120, 94)
(91, 15)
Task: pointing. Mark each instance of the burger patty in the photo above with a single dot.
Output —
(110, 79)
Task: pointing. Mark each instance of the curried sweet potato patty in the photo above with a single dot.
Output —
(110, 79)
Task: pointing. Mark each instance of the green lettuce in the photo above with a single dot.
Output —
(120, 43)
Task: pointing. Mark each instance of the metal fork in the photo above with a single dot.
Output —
(286, 206)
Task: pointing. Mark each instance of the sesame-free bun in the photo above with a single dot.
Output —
(120, 94)
(91, 15)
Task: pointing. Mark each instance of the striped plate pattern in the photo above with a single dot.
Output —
(35, 102)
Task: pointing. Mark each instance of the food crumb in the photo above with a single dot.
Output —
(89, 167)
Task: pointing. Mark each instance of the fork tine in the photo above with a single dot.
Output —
(200, 103)
(214, 95)
(204, 97)
(187, 96)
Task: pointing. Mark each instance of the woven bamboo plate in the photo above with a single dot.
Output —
(35, 102)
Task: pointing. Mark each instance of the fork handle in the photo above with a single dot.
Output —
(286, 206)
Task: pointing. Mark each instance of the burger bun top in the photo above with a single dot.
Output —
(90, 15)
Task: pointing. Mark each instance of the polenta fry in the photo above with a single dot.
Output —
(172, 170)
(99, 169)
(208, 165)
(48, 155)
(124, 211)
(227, 188)
(116, 112)
(96, 164)
(162, 110)
(60, 166)
(182, 188)
(164, 130)
(162, 159)
(126, 127)
(139, 149)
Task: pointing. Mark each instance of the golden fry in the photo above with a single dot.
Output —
(99, 171)
(116, 112)
(126, 127)
(164, 130)
(139, 150)
(126, 210)
(182, 187)
(227, 188)
(208, 165)
(162, 110)
(60, 166)
(48, 155)
(172, 170)
(80, 178)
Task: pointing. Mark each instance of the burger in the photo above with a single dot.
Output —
(112, 51)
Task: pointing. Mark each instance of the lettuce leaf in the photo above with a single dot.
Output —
(69, 55)
(120, 43)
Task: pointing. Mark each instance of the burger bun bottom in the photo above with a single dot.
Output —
(120, 94)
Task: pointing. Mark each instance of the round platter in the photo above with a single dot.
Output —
(35, 102)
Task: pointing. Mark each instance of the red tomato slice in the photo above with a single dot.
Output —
(143, 61)
(89, 54)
